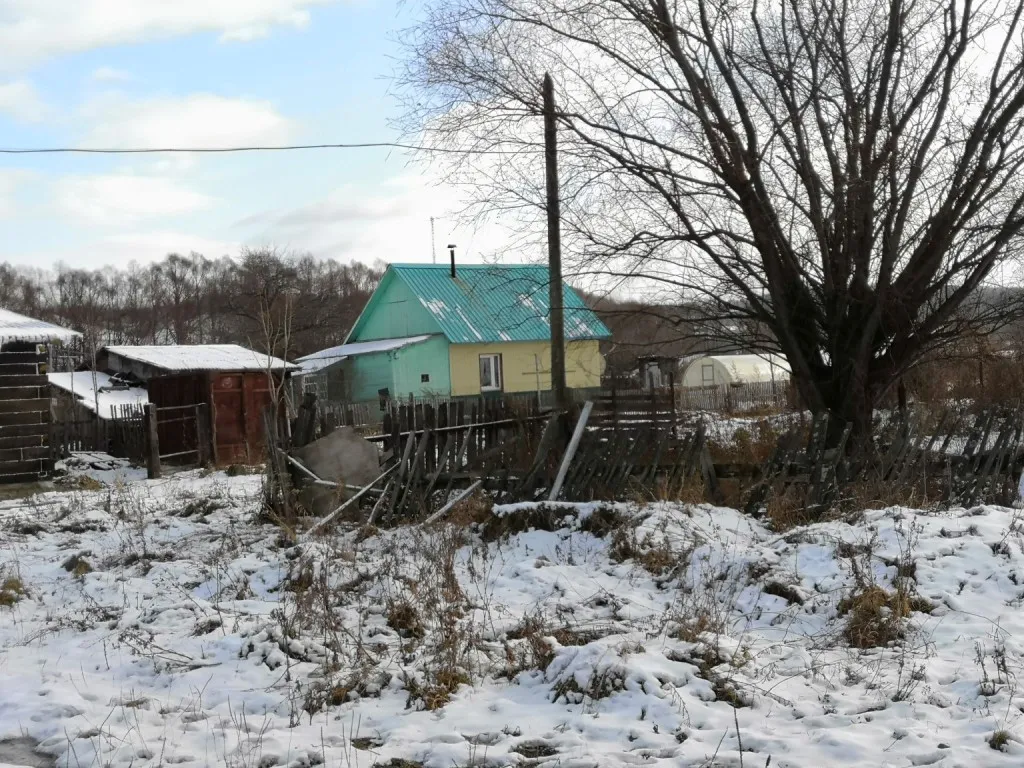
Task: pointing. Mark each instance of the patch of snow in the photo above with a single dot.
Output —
(80, 384)
(18, 327)
(317, 361)
(469, 325)
(186, 644)
(200, 357)
(435, 306)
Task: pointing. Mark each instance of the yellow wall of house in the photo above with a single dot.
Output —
(583, 365)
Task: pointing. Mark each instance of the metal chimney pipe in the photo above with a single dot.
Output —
(451, 251)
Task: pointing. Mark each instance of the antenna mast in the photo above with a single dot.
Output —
(433, 248)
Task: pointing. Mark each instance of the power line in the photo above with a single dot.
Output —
(215, 150)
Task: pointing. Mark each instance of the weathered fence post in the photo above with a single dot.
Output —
(152, 443)
(202, 435)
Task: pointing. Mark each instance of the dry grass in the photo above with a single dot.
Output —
(787, 509)
(541, 518)
(655, 555)
(874, 616)
(527, 647)
(874, 493)
(475, 509)
(403, 617)
(77, 565)
(999, 740)
(749, 446)
(12, 591)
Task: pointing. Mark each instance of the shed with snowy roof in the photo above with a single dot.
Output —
(25, 403)
(226, 385)
(466, 330)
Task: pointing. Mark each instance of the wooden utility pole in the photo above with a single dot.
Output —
(555, 298)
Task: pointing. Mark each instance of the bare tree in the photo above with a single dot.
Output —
(845, 174)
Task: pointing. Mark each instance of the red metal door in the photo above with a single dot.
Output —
(229, 425)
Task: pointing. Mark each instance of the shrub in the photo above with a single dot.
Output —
(77, 565)
(405, 619)
(875, 615)
(999, 740)
(11, 591)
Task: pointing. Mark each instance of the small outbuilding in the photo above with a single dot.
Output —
(219, 390)
(732, 370)
(332, 375)
(80, 395)
(25, 404)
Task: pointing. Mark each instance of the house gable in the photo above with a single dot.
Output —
(393, 312)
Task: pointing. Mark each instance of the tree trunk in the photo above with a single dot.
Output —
(852, 404)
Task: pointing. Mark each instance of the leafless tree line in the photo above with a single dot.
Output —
(195, 300)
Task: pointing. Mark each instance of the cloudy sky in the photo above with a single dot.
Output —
(130, 73)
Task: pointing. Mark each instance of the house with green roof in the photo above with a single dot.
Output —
(432, 330)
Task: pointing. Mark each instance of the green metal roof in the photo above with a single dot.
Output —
(489, 303)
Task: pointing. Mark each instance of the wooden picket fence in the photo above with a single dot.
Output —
(739, 398)
(122, 436)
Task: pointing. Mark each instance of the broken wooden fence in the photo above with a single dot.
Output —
(434, 454)
(951, 456)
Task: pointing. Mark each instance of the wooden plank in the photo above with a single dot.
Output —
(7, 358)
(570, 451)
(40, 419)
(26, 392)
(24, 454)
(24, 477)
(412, 476)
(400, 474)
(19, 369)
(24, 380)
(23, 441)
(444, 510)
(25, 404)
(22, 467)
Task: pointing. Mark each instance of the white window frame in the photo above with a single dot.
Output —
(496, 371)
(704, 378)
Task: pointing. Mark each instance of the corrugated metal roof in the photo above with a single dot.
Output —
(488, 303)
(80, 384)
(15, 327)
(325, 357)
(200, 357)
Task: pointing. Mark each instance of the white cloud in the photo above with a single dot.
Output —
(110, 75)
(121, 248)
(20, 100)
(33, 30)
(197, 120)
(153, 246)
(107, 199)
(10, 182)
(390, 222)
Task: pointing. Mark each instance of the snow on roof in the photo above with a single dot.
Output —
(15, 327)
(745, 368)
(80, 384)
(201, 357)
(326, 357)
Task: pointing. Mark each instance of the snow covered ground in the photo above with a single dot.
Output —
(159, 623)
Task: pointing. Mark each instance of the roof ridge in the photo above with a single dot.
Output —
(460, 265)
